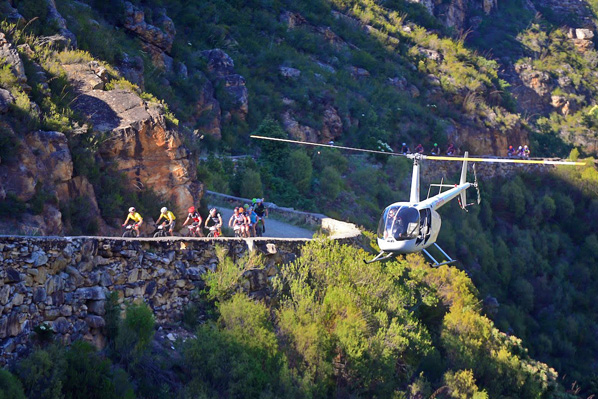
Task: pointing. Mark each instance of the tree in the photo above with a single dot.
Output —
(299, 170)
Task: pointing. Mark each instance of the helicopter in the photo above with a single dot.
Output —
(413, 226)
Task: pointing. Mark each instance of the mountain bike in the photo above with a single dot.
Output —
(130, 231)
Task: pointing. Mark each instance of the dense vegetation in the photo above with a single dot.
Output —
(332, 328)
(532, 245)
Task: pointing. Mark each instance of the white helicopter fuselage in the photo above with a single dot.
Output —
(417, 233)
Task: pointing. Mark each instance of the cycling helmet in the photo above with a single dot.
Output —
(260, 200)
(246, 206)
(164, 209)
(131, 209)
(525, 146)
(213, 210)
(404, 143)
(510, 147)
(253, 201)
(435, 144)
(191, 209)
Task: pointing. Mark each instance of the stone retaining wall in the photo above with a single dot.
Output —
(63, 281)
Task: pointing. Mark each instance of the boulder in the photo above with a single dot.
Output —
(207, 109)
(358, 73)
(12, 58)
(222, 73)
(289, 72)
(56, 18)
(85, 77)
(584, 34)
(132, 69)
(292, 19)
(43, 157)
(160, 35)
(332, 125)
(6, 99)
(57, 42)
(220, 64)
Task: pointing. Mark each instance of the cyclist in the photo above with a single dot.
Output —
(405, 149)
(237, 221)
(134, 217)
(419, 149)
(510, 151)
(526, 151)
(168, 219)
(195, 218)
(435, 149)
(214, 221)
(450, 150)
(251, 220)
(261, 212)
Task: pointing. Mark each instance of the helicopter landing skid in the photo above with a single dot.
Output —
(381, 256)
(436, 264)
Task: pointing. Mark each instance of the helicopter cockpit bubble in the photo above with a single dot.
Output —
(399, 222)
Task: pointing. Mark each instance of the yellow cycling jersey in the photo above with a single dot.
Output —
(136, 217)
(168, 215)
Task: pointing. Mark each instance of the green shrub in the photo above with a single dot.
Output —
(76, 213)
(12, 206)
(42, 373)
(251, 185)
(299, 170)
(330, 183)
(135, 332)
(9, 145)
(10, 386)
(87, 375)
(238, 356)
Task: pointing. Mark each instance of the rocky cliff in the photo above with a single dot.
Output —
(38, 169)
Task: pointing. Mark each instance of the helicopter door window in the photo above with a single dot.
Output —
(399, 223)
(425, 216)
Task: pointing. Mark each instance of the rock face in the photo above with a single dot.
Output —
(221, 70)
(207, 109)
(331, 130)
(132, 69)
(139, 141)
(156, 39)
(43, 165)
(456, 13)
(5, 100)
(11, 57)
(57, 19)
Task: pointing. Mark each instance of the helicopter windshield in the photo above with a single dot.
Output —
(399, 222)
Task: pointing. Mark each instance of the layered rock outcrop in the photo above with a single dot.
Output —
(156, 39)
(43, 166)
(456, 13)
(221, 71)
(332, 126)
(137, 138)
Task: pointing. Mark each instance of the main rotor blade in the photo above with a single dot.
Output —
(325, 145)
(503, 160)
(431, 157)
